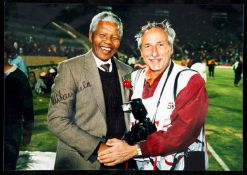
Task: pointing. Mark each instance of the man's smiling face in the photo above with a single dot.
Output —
(105, 40)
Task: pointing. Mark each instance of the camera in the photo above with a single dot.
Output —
(143, 126)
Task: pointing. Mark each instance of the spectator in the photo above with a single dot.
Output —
(50, 79)
(238, 70)
(211, 65)
(196, 64)
(40, 86)
(32, 79)
(18, 114)
(18, 61)
(183, 62)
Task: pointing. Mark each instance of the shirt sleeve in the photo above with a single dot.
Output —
(186, 119)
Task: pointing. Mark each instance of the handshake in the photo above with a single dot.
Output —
(116, 151)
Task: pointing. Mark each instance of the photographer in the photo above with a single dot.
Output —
(176, 100)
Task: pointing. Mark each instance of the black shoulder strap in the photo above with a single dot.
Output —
(176, 82)
(174, 95)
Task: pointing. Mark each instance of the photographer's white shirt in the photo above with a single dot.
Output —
(165, 109)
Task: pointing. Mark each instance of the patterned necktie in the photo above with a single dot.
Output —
(105, 67)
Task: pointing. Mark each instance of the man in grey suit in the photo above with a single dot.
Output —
(85, 106)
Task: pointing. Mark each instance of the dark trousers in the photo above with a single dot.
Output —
(12, 138)
(211, 70)
(237, 78)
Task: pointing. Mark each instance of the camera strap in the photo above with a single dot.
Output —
(175, 93)
(176, 82)
(154, 163)
(158, 103)
(187, 148)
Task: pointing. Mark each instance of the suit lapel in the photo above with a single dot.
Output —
(92, 73)
(93, 76)
(121, 74)
(124, 92)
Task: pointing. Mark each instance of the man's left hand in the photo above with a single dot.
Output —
(118, 152)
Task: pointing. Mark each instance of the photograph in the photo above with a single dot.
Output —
(123, 87)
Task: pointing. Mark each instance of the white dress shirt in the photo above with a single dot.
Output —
(100, 62)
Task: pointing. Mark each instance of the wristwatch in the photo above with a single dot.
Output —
(139, 151)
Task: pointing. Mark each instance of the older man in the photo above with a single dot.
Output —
(85, 108)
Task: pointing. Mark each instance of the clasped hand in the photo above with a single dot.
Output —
(117, 152)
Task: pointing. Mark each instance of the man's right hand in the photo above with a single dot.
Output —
(118, 151)
(102, 147)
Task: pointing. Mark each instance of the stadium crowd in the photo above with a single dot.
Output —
(225, 50)
(30, 45)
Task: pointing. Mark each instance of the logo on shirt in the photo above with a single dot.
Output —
(170, 105)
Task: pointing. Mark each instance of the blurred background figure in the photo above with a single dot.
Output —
(18, 114)
(16, 59)
(131, 61)
(238, 70)
(50, 79)
(32, 79)
(40, 86)
(183, 62)
(198, 65)
(211, 65)
(194, 61)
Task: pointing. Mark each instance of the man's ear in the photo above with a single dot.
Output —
(140, 50)
(90, 36)
(141, 53)
(171, 50)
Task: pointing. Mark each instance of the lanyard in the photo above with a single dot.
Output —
(158, 103)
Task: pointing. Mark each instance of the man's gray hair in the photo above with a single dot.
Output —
(165, 25)
(106, 16)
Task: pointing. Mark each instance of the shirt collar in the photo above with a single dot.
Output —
(100, 62)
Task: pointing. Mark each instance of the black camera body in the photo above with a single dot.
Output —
(143, 127)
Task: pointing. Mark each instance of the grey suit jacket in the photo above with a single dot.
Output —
(77, 111)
